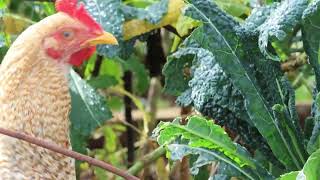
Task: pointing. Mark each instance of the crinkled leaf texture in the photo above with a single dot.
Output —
(310, 170)
(281, 21)
(258, 81)
(110, 14)
(257, 17)
(152, 13)
(88, 111)
(311, 37)
(209, 142)
(314, 142)
(141, 78)
(209, 90)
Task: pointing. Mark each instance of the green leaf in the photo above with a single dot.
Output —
(177, 73)
(235, 8)
(201, 133)
(2, 41)
(289, 176)
(3, 45)
(111, 144)
(103, 81)
(152, 13)
(311, 37)
(111, 68)
(108, 13)
(209, 143)
(280, 22)
(257, 17)
(141, 76)
(310, 170)
(88, 112)
(238, 57)
(202, 174)
(211, 92)
(185, 24)
(111, 14)
(3, 4)
(140, 3)
(205, 156)
(314, 142)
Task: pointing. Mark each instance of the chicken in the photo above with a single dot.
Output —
(34, 95)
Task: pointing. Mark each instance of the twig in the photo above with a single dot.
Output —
(149, 124)
(214, 168)
(137, 130)
(146, 160)
(151, 108)
(67, 152)
(97, 66)
(128, 115)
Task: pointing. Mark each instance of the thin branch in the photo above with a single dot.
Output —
(128, 115)
(67, 152)
(137, 130)
(146, 160)
(97, 66)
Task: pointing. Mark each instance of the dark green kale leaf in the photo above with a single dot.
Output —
(257, 17)
(281, 21)
(311, 37)
(89, 111)
(110, 14)
(258, 80)
(152, 13)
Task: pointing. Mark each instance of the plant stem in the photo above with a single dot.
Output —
(67, 152)
(146, 160)
(97, 66)
(155, 58)
(128, 116)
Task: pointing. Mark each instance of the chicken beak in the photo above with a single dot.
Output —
(105, 38)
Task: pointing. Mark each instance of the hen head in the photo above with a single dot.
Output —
(73, 37)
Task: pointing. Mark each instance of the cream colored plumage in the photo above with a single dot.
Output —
(34, 93)
(34, 99)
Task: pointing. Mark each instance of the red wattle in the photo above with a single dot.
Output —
(54, 53)
(79, 57)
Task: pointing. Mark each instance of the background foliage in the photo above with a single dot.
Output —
(244, 72)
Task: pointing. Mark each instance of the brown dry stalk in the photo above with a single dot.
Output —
(67, 152)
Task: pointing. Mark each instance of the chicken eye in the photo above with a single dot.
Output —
(68, 35)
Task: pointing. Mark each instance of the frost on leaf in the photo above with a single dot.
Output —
(255, 82)
(152, 13)
(89, 111)
(281, 21)
(112, 14)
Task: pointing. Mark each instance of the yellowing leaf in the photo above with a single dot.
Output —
(14, 24)
(137, 27)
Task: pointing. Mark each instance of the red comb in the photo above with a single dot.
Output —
(79, 12)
